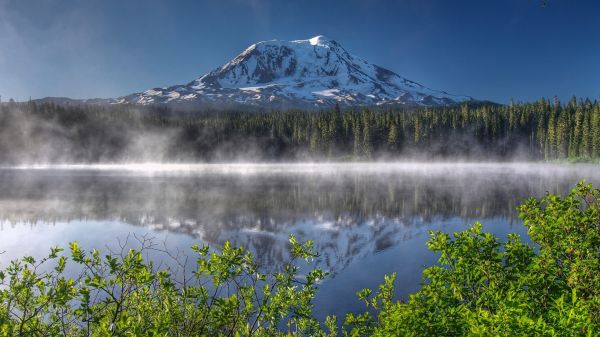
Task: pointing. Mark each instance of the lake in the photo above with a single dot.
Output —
(366, 219)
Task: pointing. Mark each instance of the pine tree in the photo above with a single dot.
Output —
(585, 146)
(551, 148)
(367, 145)
(314, 141)
(576, 139)
(356, 137)
(392, 137)
(562, 134)
(595, 130)
(418, 132)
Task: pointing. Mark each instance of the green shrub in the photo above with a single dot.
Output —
(480, 287)
(123, 295)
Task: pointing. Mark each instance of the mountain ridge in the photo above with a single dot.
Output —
(313, 73)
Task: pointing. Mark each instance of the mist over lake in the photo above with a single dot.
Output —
(366, 219)
(302, 168)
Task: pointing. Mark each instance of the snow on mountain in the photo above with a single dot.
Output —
(317, 72)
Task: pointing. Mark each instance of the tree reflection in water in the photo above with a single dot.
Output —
(349, 213)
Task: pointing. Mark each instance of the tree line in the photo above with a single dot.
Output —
(542, 130)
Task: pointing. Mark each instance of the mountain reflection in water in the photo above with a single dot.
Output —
(355, 213)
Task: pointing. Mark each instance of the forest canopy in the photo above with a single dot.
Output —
(543, 130)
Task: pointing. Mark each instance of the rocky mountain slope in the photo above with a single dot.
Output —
(313, 73)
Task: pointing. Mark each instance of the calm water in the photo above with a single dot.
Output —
(367, 220)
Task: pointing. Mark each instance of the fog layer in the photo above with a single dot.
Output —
(33, 133)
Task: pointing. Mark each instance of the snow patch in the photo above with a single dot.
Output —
(313, 72)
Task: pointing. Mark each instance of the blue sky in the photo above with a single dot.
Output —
(496, 50)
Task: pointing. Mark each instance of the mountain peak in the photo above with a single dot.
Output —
(317, 72)
(320, 40)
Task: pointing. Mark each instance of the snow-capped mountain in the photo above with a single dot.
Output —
(317, 72)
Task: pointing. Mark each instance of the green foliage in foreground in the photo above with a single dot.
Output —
(481, 287)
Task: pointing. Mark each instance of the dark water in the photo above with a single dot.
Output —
(366, 220)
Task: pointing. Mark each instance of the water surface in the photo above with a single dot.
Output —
(367, 219)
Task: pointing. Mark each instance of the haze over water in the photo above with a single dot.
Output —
(366, 219)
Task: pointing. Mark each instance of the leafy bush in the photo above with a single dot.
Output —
(123, 295)
(481, 287)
